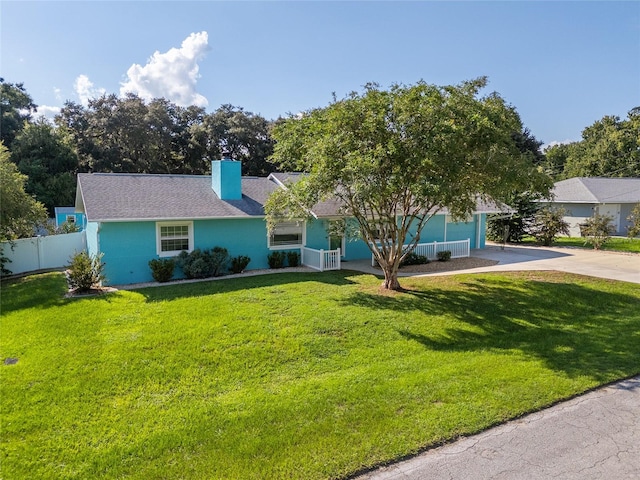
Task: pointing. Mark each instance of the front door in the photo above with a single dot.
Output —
(335, 242)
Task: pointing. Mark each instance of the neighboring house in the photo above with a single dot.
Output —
(132, 218)
(69, 215)
(582, 197)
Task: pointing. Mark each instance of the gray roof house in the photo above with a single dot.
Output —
(582, 197)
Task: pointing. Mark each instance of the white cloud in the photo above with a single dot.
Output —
(58, 93)
(47, 112)
(85, 89)
(172, 75)
(547, 146)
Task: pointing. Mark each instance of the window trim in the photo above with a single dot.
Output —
(173, 253)
(71, 219)
(301, 224)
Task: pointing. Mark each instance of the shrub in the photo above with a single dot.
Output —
(3, 263)
(162, 269)
(444, 256)
(293, 258)
(67, 227)
(85, 271)
(547, 224)
(276, 259)
(239, 263)
(414, 259)
(204, 263)
(597, 230)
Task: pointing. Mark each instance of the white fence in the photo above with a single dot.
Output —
(42, 253)
(321, 259)
(458, 249)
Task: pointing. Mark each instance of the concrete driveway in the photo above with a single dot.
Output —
(612, 265)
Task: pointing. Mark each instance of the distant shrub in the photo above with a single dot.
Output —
(414, 259)
(547, 224)
(67, 227)
(85, 271)
(444, 256)
(239, 263)
(597, 230)
(293, 258)
(276, 259)
(162, 269)
(204, 263)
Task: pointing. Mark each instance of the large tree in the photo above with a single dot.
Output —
(20, 213)
(50, 164)
(16, 107)
(394, 158)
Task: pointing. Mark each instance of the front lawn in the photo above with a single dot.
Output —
(291, 375)
(614, 244)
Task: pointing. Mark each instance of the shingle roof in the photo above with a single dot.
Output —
(127, 197)
(597, 190)
(113, 196)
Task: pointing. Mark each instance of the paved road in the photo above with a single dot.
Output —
(594, 436)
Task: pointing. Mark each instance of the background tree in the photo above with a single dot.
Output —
(395, 158)
(244, 135)
(16, 107)
(609, 148)
(513, 227)
(20, 213)
(49, 163)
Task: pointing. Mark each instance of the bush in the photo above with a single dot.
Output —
(597, 230)
(204, 263)
(444, 256)
(276, 259)
(239, 263)
(293, 258)
(85, 271)
(633, 230)
(162, 269)
(414, 259)
(547, 224)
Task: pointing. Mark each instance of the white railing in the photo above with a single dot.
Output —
(321, 259)
(458, 249)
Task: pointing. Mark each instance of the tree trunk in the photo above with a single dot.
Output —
(390, 278)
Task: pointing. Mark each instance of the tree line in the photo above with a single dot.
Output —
(125, 135)
(130, 135)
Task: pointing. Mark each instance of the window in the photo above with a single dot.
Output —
(71, 219)
(287, 234)
(173, 238)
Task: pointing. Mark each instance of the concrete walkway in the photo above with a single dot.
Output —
(594, 436)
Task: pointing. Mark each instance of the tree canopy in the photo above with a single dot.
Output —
(16, 107)
(396, 157)
(20, 213)
(609, 148)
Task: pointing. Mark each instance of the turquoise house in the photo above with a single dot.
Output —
(133, 218)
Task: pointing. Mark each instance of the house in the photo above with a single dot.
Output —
(133, 218)
(582, 197)
(68, 215)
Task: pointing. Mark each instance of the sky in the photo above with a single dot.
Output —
(562, 65)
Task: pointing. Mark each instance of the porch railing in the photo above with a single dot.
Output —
(458, 249)
(321, 260)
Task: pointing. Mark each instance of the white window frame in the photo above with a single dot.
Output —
(71, 219)
(303, 242)
(159, 238)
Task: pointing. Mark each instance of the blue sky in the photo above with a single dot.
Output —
(563, 65)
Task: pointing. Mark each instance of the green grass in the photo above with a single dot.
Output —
(309, 376)
(614, 244)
